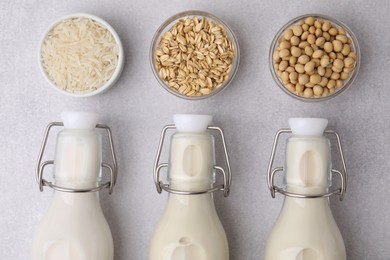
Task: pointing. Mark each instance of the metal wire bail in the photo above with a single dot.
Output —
(227, 176)
(113, 170)
(271, 172)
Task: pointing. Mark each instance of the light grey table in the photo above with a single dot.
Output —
(250, 111)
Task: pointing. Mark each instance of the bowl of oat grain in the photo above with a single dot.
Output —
(194, 55)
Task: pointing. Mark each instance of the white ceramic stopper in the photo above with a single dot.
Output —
(308, 126)
(192, 123)
(79, 120)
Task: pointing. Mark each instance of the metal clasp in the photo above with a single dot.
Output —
(271, 172)
(227, 176)
(113, 170)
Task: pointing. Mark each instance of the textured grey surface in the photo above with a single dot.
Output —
(250, 111)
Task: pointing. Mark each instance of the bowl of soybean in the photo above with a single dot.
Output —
(314, 57)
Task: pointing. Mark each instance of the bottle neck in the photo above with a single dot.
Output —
(77, 162)
(78, 158)
(308, 165)
(191, 161)
(191, 164)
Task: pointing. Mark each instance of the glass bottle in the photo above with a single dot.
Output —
(305, 228)
(74, 227)
(190, 228)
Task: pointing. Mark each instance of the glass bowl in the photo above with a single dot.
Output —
(155, 50)
(116, 72)
(335, 23)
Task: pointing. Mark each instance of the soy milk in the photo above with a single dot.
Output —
(306, 229)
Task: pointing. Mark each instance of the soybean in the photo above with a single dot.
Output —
(310, 66)
(295, 40)
(337, 45)
(325, 61)
(300, 68)
(328, 47)
(349, 62)
(338, 63)
(318, 90)
(296, 52)
(318, 54)
(285, 45)
(308, 92)
(297, 30)
(315, 78)
(303, 59)
(321, 71)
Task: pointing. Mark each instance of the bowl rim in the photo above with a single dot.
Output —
(338, 23)
(163, 28)
(121, 56)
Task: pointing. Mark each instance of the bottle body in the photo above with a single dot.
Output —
(305, 230)
(74, 227)
(190, 228)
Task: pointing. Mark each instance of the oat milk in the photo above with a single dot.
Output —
(190, 228)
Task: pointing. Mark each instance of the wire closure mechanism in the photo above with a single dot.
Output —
(227, 176)
(271, 172)
(113, 170)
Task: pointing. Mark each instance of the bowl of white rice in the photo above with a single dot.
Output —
(81, 55)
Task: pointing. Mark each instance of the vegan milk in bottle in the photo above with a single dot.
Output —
(74, 227)
(190, 228)
(305, 228)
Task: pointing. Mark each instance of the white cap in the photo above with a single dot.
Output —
(307, 126)
(192, 123)
(79, 120)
